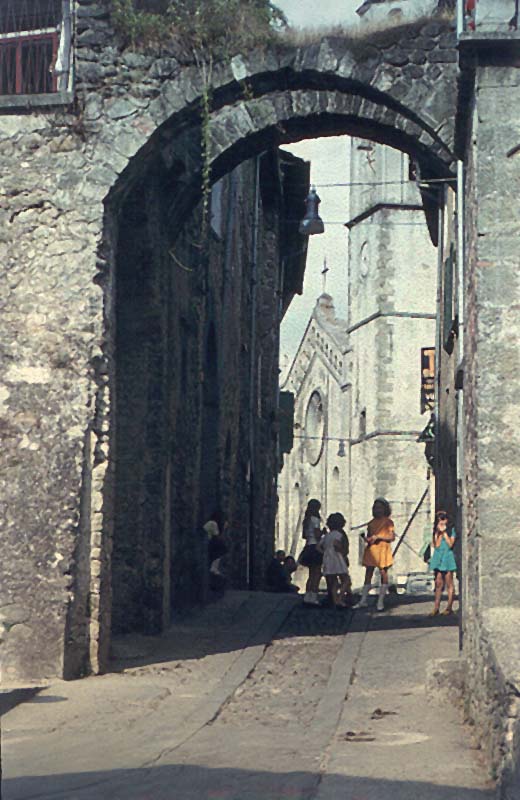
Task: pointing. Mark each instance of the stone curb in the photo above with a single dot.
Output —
(329, 711)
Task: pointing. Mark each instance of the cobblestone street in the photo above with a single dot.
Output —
(254, 698)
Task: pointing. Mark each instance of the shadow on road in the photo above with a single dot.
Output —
(192, 782)
(10, 698)
(225, 627)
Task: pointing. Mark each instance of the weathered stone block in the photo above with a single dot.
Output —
(396, 57)
(443, 56)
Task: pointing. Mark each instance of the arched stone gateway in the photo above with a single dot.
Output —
(396, 89)
(79, 189)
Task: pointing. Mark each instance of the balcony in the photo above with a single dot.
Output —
(488, 20)
(35, 52)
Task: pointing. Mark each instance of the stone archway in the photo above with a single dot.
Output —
(395, 88)
(140, 115)
(388, 93)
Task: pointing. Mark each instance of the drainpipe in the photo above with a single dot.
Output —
(460, 17)
(438, 339)
(279, 488)
(253, 374)
(461, 311)
(64, 56)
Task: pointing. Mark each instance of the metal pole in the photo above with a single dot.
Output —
(461, 430)
(408, 524)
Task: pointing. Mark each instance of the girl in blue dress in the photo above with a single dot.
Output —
(442, 562)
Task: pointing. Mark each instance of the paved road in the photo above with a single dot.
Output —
(255, 698)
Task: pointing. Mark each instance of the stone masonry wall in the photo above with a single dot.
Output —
(492, 444)
(58, 378)
(167, 400)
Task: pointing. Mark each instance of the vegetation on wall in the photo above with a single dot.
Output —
(201, 31)
(138, 27)
(204, 32)
(213, 29)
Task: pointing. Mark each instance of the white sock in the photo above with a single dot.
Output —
(364, 595)
(381, 599)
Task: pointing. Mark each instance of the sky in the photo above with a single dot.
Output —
(303, 13)
(329, 164)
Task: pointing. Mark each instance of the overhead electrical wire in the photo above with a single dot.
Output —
(419, 183)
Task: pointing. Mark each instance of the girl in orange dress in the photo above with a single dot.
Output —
(378, 552)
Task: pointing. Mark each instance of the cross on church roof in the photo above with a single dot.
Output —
(324, 273)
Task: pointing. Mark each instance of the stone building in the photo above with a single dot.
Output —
(139, 396)
(392, 327)
(78, 151)
(189, 441)
(318, 465)
(102, 168)
(478, 381)
(193, 418)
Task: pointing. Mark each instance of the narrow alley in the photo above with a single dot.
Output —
(257, 698)
(259, 317)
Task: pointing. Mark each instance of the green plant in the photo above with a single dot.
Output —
(221, 28)
(203, 31)
(139, 27)
(213, 28)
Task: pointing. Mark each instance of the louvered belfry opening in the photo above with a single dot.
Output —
(29, 41)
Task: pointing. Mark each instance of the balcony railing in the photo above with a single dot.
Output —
(488, 16)
(35, 41)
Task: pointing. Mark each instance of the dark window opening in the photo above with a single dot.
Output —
(363, 423)
(29, 15)
(34, 46)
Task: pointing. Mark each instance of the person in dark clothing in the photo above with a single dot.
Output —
(218, 547)
(278, 577)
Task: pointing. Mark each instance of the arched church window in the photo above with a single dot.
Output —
(314, 428)
(364, 260)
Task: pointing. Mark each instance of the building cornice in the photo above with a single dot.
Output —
(377, 433)
(380, 207)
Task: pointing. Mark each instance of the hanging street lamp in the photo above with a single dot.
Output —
(312, 222)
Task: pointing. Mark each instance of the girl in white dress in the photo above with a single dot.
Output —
(334, 546)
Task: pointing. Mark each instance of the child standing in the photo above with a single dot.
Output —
(378, 553)
(443, 562)
(311, 556)
(334, 546)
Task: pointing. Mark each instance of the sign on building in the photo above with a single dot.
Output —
(427, 379)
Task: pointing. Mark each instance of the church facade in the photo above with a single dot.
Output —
(318, 465)
(363, 388)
